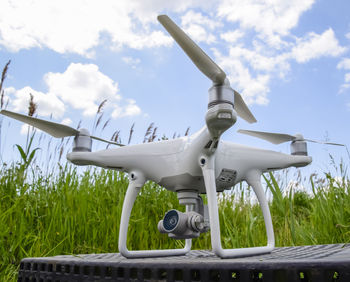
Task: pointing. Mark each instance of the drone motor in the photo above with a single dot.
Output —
(82, 141)
(220, 115)
(298, 148)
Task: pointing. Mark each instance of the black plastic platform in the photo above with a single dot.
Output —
(317, 263)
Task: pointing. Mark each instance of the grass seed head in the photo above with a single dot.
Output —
(114, 138)
(99, 120)
(100, 107)
(153, 136)
(32, 107)
(131, 132)
(3, 76)
(105, 124)
(148, 132)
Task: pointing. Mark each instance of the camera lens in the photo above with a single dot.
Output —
(170, 220)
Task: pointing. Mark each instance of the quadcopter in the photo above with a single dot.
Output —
(192, 165)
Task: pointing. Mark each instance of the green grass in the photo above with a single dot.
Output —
(69, 213)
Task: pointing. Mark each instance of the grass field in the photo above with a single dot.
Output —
(71, 213)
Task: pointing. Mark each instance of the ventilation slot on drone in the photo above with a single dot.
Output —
(216, 144)
(115, 167)
(208, 144)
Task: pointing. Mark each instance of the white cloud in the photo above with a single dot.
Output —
(25, 128)
(131, 109)
(317, 45)
(199, 34)
(344, 64)
(150, 9)
(232, 36)
(266, 17)
(251, 69)
(260, 61)
(154, 39)
(47, 104)
(254, 88)
(347, 77)
(76, 26)
(81, 86)
(192, 17)
(344, 87)
(133, 62)
(258, 35)
(196, 25)
(79, 26)
(67, 121)
(270, 19)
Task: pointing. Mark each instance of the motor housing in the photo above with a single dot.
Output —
(82, 141)
(298, 148)
(221, 114)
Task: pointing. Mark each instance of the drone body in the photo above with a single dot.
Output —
(175, 164)
(191, 165)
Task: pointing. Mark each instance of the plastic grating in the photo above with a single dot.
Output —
(317, 263)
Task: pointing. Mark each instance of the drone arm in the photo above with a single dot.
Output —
(136, 181)
(208, 169)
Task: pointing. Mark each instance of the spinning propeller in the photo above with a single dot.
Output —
(54, 129)
(278, 138)
(205, 64)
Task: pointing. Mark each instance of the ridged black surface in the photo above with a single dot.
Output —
(317, 263)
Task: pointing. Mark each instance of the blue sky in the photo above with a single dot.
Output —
(290, 60)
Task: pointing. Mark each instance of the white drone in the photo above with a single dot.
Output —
(190, 166)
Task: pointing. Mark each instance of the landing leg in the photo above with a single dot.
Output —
(136, 181)
(208, 169)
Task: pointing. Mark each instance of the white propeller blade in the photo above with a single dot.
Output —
(106, 141)
(206, 65)
(242, 109)
(275, 138)
(327, 143)
(278, 138)
(57, 130)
